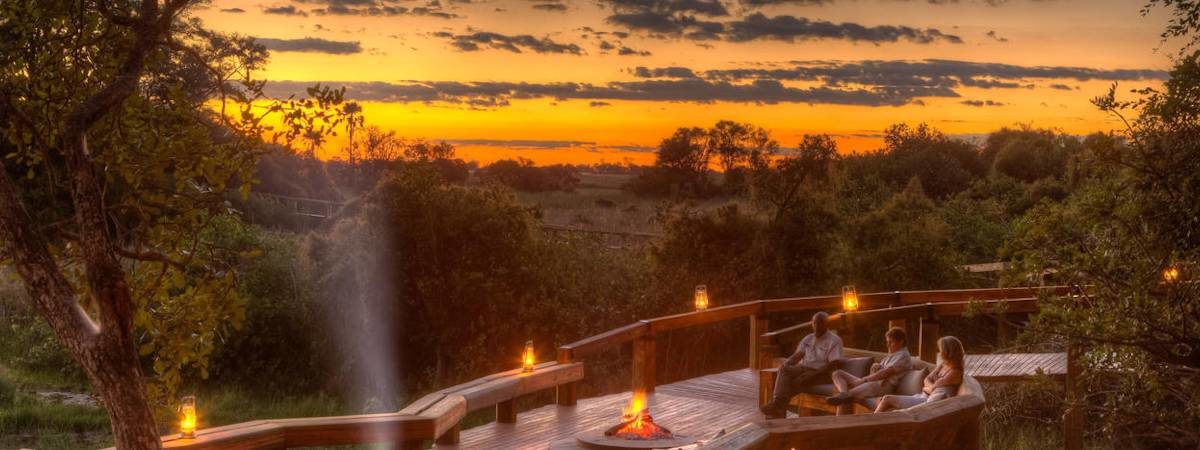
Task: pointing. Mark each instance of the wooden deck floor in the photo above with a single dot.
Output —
(698, 407)
(1015, 366)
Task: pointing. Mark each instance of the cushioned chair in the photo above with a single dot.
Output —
(812, 398)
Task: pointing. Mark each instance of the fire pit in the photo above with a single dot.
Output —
(637, 430)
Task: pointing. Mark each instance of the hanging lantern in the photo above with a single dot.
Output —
(701, 298)
(1171, 274)
(187, 424)
(527, 359)
(849, 298)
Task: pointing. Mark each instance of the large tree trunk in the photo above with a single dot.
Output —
(117, 377)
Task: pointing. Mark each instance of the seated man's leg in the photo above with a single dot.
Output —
(788, 383)
(842, 379)
(846, 400)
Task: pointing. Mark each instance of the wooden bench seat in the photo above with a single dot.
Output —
(858, 363)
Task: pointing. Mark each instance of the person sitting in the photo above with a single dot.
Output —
(882, 379)
(816, 356)
(941, 383)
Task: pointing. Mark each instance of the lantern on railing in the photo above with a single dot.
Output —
(849, 298)
(527, 359)
(187, 424)
(1171, 274)
(701, 298)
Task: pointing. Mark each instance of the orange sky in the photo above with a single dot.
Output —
(1051, 56)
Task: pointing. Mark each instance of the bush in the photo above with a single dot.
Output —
(8, 392)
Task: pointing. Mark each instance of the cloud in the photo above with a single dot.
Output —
(233, 10)
(516, 44)
(982, 103)
(757, 3)
(711, 8)
(790, 28)
(284, 11)
(626, 51)
(597, 103)
(377, 8)
(992, 34)
(313, 45)
(930, 73)
(494, 93)
(1061, 87)
(522, 143)
(553, 7)
(664, 72)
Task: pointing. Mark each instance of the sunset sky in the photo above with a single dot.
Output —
(591, 80)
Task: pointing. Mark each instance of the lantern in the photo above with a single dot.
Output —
(187, 425)
(849, 298)
(701, 298)
(527, 357)
(1171, 274)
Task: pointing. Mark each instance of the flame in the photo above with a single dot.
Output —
(527, 358)
(1171, 274)
(849, 298)
(701, 298)
(636, 423)
(633, 414)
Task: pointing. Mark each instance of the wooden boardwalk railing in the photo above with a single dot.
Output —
(436, 416)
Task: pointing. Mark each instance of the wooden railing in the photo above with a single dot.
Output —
(436, 416)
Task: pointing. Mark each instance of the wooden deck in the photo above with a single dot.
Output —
(698, 407)
(1015, 366)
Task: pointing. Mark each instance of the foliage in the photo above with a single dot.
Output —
(1132, 220)
(522, 175)
(683, 160)
(944, 165)
(1029, 154)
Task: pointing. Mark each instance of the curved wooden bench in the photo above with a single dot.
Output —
(949, 424)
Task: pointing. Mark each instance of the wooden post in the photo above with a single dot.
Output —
(929, 337)
(566, 394)
(644, 363)
(1073, 417)
(450, 437)
(506, 412)
(758, 326)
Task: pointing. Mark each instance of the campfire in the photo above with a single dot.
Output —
(637, 430)
(637, 424)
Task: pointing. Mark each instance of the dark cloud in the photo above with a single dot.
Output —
(554, 7)
(664, 72)
(523, 143)
(1061, 87)
(790, 28)
(757, 26)
(597, 103)
(626, 51)
(377, 8)
(517, 44)
(930, 73)
(309, 44)
(233, 10)
(488, 93)
(285, 11)
(757, 3)
(981, 103)
(711, 8)
(992, 34)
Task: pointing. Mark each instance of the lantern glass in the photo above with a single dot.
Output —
(701, 298)
(1171, 274)
(849, 298)
(527, 359)
(187, 423)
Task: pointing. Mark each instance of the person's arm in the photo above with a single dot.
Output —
(953, 378)
(798, 355)
(930, 379)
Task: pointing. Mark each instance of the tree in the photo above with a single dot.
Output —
(945, 166)
(424, 151)
(1127, 240)
(113, 170)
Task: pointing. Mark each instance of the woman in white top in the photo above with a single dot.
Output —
(941, 383)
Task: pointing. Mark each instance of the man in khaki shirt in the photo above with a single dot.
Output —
(818, 354)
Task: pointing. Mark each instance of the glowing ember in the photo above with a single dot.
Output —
(636, 423)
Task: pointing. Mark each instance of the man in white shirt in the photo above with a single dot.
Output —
(883, 378)
(818, 354)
